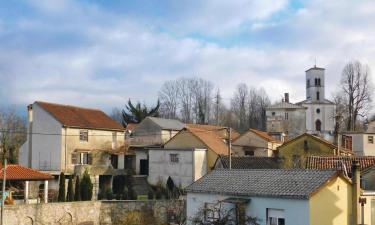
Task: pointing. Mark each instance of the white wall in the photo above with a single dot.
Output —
(46, 149)
(183, 173)
(326, 116)
(296, 211)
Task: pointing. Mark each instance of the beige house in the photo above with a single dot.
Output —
(361, 143)
(255, 143)
(72, 139)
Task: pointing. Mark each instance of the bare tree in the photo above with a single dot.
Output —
(356, 90)
(12, 134)
(238, 104)
(116, 114)
(169, 99)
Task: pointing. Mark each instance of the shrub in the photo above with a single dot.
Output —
(70, 194)
(77, 190)
(150, 194)
(61, 197)
(86, 187)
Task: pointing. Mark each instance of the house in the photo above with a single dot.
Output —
(71, 139)
(200, 139)
(183, 165)
(25, 185)
(285, 119)
(361, 143)
(295, 151)
(344, 164)
(245, 162)
(255, 143)
(274, 196)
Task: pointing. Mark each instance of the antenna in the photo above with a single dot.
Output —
(315, 63)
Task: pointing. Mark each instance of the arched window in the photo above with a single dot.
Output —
(318, 125)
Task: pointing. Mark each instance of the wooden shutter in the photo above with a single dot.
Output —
(89, 158)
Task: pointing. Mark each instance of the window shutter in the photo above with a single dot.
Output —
(75, 158)
(89, 158)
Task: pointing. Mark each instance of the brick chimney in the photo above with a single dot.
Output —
(286, 97)
(356, 192)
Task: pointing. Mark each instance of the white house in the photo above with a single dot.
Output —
(183, 166)
(361, 143)
(273, 197)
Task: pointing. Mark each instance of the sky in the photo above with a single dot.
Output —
(101, 53)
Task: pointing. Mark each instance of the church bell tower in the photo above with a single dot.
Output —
(315, 84)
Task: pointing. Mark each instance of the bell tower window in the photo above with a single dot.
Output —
(317, 95)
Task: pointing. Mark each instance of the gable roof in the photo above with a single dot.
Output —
(247, 162)
(210, 139)
(321, 140)
(285, 105)
(220, 130)
(262, 134)
(73, 116)
(340, 163)
(278, 183)
(18, 172)
(167, 124)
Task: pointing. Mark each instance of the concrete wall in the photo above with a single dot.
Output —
(93, 212)
(326, 116)
(296, 212)
(147, 133)
(334, 202)
(293, 126)
(260, 146)
(191, 166)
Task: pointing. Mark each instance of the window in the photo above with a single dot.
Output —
(318, 111)
(286, 116)
(316, 82)
(114, 161)
(370, 139)
(211, 213)
(275, 217)
(305, 145)
(173, 158)
(308, 83)
(273, 113)
(84, 135)
(249, 153)
(317, 95)
(83, 158)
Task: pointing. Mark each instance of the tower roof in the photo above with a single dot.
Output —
(315, 68)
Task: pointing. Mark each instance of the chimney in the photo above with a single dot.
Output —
(286, 97)
(356, 192)
(30, 137)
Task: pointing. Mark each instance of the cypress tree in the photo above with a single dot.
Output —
(77, 190)
(61, 196)
(86, 187)
(70, 194)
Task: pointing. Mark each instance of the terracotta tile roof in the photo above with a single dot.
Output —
(246, 162)
(340, 163)
(211, 139)
(265, 136)
(73, 116)
(221, 131)
(17, 172)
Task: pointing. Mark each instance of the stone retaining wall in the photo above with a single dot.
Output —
(158, 212)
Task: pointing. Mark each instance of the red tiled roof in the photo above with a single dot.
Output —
(211, 139)
(265, 136)
(340, 163)
(219, 130)
(17, 172)
(73, 116)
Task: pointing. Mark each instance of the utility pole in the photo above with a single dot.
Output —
(230, 147)
(3, 193)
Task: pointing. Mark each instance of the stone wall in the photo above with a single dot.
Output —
(157, 212)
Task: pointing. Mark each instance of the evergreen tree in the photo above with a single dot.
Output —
(136, 113)
(61, 196)
(86, 187)
(70, 194)
(77, 190)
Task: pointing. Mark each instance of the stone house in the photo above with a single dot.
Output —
(73, 139)
(361, 143)
(294, 152)
(255, 143)
(274, 196)
(152, 132)
(183, 165)
(201, 138)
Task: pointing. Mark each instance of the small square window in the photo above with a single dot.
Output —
(273, 113)
(173, 158)
(370, 139)
(249, 153)
(84, 135)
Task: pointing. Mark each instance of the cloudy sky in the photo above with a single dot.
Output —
(101, 53)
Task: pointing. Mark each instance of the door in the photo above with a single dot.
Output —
(143, 167)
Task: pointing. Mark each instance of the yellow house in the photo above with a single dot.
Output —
(295, 151)
(203, 138)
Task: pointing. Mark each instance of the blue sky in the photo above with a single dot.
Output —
(101, 53)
